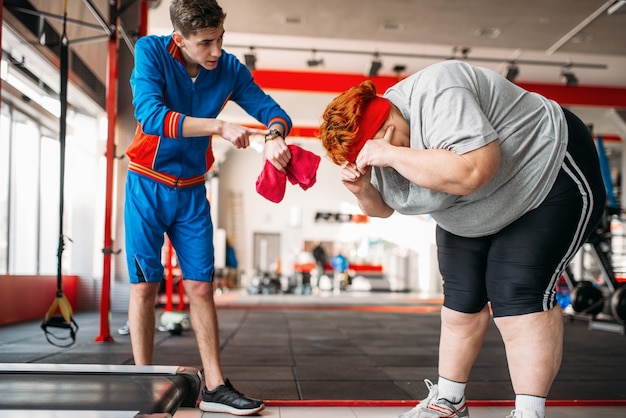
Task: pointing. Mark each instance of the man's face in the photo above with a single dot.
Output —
(203, 48)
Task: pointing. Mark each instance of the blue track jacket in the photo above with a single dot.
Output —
(164, 94)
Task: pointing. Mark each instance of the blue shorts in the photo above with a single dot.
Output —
(153, 209)
(517, 269)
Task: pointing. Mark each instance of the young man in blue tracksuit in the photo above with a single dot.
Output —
(180, 83)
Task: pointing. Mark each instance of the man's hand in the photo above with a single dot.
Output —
(239, 135)
(277, 153)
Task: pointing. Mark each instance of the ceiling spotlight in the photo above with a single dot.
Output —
(398, 68)
(568, 78)
(314, 61)
(250, 59)
(375, 66)
(463, 50)
(512, 72)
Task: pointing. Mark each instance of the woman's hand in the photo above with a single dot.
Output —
(376, 152)
(354, 179)
(359, 183)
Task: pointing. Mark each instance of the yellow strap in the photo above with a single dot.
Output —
(52, 309)
(64, 306)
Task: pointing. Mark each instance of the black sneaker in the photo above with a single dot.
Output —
(226, 398)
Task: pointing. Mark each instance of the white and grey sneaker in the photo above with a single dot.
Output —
(518, 413)
(124, 330)
(435, 407)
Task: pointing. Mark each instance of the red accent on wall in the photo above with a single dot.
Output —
(610, 138)
(316, 81)
(26, 298)
(304, 131)
(312, 132)
(580, 95)
(395, 403)
(337, 83)
(296, 131)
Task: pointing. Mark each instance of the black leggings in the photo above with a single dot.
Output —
(517, 269)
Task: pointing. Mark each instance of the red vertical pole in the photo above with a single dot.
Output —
(143, 17)
(181, 295)
(169, 277)
(111, 108)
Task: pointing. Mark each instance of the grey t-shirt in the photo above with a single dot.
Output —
(455, 106)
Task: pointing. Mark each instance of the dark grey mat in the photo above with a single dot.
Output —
(286, 354)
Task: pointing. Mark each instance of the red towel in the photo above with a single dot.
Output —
(271, 183)
(301, 169)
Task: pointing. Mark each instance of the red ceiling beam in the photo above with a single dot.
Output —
(337, 83)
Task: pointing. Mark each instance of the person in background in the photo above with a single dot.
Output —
(231, 265)
(180, 83)
(320, 257)
(340, 269)
(513, 181)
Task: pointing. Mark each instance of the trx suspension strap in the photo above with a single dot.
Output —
(65, 321)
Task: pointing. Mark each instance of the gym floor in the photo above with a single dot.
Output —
(348, 355)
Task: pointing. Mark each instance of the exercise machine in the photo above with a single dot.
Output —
(53, 390)
(602, 302)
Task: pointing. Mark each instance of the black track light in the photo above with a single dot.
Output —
(512, 72)
(250, 59)
(375, 66)
(568, 78)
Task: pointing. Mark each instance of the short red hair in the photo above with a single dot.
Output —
(350, 119)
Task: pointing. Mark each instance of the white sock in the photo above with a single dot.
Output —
(530, 403)
(450, 390)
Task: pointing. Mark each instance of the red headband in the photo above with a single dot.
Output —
(374, 115)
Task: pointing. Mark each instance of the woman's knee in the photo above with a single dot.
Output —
(456, 319)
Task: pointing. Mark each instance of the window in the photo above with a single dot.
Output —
(4, 188)
(49, 205)
(29, 195)
(24, 199)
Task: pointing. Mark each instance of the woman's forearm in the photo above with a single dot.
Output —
(372, 203)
